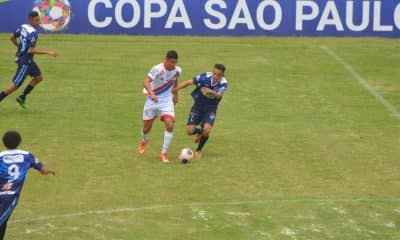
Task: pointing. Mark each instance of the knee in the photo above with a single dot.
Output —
(37, 80)
(169, 126)
(206, 132)
(190, 131)
(146, 130)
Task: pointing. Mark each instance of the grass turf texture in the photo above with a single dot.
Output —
(300, 149)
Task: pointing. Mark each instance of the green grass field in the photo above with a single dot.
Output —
(300, 149)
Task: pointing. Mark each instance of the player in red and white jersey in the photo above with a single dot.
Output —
(160, 100)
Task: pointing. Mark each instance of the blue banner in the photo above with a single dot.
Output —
(209, 17)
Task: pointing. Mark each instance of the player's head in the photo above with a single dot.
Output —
(171, 59)
(34, 19)
(218, 71)
(11, 139)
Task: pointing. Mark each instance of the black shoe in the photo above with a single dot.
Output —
(21, 102)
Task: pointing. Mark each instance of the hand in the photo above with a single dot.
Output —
(205, 91)
(175, 99)
(46, 171)
(154, 97)
(52, 54)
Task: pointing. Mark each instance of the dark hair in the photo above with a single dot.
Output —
(220, 67)
(33, 14)
(172, 54)
(11, 139)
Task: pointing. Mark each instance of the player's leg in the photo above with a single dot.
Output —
(192, 129)
(208, 123)
(7, 91)
(194, 120)
(149, 114)
(198, 130)
(147, 125)
(168, 135)
(168, 117)
(35, 72)
(18, 79)
(205, 134)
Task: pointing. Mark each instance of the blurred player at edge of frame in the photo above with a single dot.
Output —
(14, 166)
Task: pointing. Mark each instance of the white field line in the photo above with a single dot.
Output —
(362, 81)
(174, 206)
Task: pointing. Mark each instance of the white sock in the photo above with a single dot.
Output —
(145, 137)
(167, 140)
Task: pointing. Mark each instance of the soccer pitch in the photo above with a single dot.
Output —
(305, 146)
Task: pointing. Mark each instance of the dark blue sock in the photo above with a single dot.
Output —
(202, 142)
(2, 95)
(27, 90)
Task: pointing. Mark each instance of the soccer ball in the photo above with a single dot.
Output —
(186, 155)
(54, 14)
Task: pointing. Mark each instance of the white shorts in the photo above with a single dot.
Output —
(152, 110)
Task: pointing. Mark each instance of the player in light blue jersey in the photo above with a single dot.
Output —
(14, 165)
(25, 39)
(210, 87)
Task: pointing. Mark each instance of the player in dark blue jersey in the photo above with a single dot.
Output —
(210, 87)
(25, 39)
(14, 165)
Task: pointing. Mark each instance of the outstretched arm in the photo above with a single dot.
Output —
(182, 85)
(46, 171)
(34, 50)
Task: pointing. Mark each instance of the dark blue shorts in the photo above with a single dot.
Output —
(200, 117)
(7, 206)
(23, 70)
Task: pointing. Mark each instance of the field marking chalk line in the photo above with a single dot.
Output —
(193, 204)
(362, 81)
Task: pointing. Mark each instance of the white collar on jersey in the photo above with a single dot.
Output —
(29, 28)
(13, 151)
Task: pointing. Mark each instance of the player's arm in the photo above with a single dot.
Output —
(182, 85)
(46, 171)
(14, 40)
(216, 94)
(207, 91)
(40, 167)
(175, 96)
(146, 85)
(14, 37)
(34, 50)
